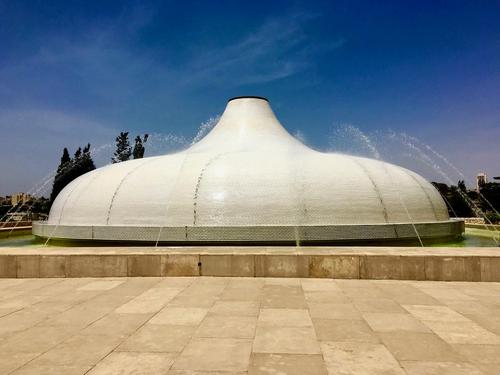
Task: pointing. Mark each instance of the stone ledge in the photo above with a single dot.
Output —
(437, 264)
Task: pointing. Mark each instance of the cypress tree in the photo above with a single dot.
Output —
(123, 149)
(87, 162)
(75, 169)
(60, 177)
(65, 158)
(139, 148)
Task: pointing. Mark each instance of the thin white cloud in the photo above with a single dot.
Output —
(278, 48)
(109, 72)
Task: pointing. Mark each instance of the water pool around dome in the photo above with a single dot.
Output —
(250, 181)
(473, 238)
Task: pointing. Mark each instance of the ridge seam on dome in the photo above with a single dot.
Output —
(425, 192)
(302, 205)
(72, 192)
(185, 154)
(120, 185)
(375, 186)
(198, 183)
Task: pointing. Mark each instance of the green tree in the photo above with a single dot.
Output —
(61, 175)
(459, 202)
(82, 162)
(64, 159)
(490, 192)
(78, 154)
(461, 186)
(123, 149)
(139, 149)
(456, 199)
(74, 171)
(69, 169)
(87, 164)
(41, 206)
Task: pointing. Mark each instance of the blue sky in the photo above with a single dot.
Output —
(81, 71)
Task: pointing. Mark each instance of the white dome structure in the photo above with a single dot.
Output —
(249, 181)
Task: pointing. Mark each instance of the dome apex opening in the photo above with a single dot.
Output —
(250, 123)
(248, 97)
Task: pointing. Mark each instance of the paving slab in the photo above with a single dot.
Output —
(115, 324)
(378, 305)
(215, 354)
(440, 368)
(158, 338)
(285, 318)
(390, 322)
(186, 316)
(134, 363)
(359, 358)
(12, 361)
(286, 340)
(435, 313)
(290, 364)
(487, 354)
(79, 350)
(334, 311)
(417, 346)
(36, 339)
(224, 326)
(38, 369)
(344, 330)
(463, 333)
(236, 308)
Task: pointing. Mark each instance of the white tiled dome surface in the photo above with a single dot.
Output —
(248, 171)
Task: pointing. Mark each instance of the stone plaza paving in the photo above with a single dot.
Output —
(209, 325)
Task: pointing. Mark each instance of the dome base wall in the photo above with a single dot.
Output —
(253, 234)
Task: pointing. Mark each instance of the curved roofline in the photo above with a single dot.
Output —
(248, 97)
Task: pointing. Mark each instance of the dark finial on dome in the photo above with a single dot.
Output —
(248, 97)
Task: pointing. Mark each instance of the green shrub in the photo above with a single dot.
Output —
(493, 218)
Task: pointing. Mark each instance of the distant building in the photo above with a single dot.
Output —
(18, 216)
(496, 178)
(20, 198)
(6, 200)
(481, 179)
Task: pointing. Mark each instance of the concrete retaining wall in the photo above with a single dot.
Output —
(391, 263)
